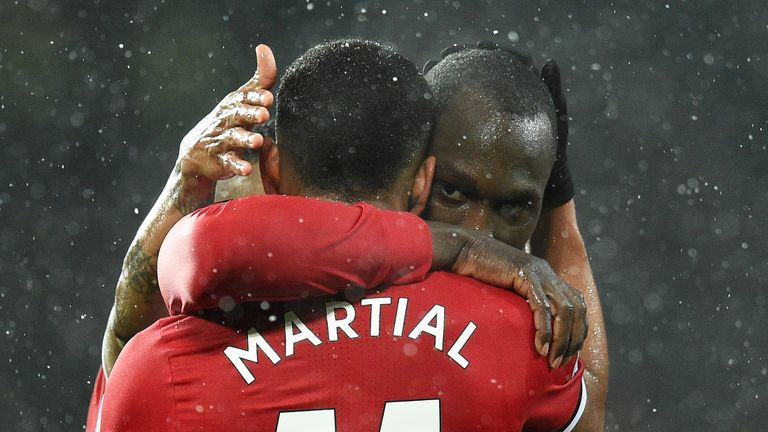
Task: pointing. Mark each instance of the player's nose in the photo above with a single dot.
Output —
(479, 217)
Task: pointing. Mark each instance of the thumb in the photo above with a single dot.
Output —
(266, 70)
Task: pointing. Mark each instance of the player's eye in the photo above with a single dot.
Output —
(452, 194)
(512, 210)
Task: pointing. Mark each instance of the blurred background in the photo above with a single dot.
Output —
(668, 151)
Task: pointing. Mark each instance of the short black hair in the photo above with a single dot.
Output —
(352, 116)
(505, 79)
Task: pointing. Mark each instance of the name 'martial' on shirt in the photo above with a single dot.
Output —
(339, 316)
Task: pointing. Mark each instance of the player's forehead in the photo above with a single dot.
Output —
(501, 154)
(489, 128)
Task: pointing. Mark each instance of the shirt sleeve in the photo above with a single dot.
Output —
(557, 396)
(139, 392)
(274, 247)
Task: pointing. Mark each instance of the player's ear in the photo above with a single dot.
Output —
(269, 166)
(422, 185)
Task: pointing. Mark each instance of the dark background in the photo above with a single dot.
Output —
(668, 147)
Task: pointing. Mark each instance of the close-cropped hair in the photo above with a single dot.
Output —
(503, 79)
(352, 116)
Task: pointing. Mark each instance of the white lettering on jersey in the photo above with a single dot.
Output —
(322, 420)
(455, 352)
(437, 313)
(255, 342)
(335, 324)
(399, 416)
(375, 304)
(433, 323)
(411, 416)
(402, 307)
(291, 338)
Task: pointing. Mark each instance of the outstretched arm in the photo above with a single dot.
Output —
(558, 240)
(211, 151)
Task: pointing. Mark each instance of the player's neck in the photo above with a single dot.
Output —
(391, 204)
(396, 199)
(384, 201)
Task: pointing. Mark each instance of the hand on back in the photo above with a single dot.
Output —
(495, 263)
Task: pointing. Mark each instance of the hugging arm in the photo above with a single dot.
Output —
(281, 248)
(211, 151)
(137, 298)
(558, 240)
(276, 248)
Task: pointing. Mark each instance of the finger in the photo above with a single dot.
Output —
(579, 330)
(263, 98)
(542, 316)
(235, 139)
(234, 164)
(266, 66)
(266, 70)
(265, 129)
(563, 313)
(245, 116)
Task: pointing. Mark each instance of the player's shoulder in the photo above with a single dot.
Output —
(473, 288)
(141, 361)
(246, 202)
(281, 201)
(179, 333)
(269, 207)
(151, 340)
(147, 342)
(480, 299)
(142, 364)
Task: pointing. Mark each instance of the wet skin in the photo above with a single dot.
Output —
(492, 169)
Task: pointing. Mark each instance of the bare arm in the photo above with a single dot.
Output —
(138, 302)
(210, 152)
(558, 240)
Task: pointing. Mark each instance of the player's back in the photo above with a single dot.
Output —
(447, 354)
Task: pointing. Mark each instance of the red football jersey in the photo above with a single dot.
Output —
(93, 407)
(277, 247)
(445, 354)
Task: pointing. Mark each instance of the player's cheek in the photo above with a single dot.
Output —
(439, 212)
(512, 234)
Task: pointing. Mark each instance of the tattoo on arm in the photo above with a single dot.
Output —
(186, 204)
(141, 271)
(140, 265)
(138, 302)
(184, 207)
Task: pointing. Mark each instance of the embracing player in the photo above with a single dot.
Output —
(224, 134)
(446, 353)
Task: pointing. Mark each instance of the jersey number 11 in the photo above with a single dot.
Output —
(399, 416)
